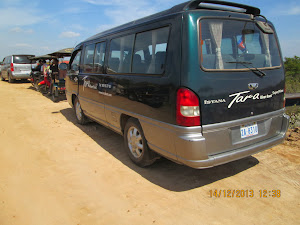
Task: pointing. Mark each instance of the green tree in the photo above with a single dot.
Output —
(292, 72)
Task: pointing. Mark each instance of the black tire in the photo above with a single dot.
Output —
(136, 144)
(81, 118)
(1, 77)
(43, 89)
(10, 80)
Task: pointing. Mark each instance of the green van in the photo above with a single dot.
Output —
(201, 84)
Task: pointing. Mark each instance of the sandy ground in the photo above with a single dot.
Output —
(54, 171)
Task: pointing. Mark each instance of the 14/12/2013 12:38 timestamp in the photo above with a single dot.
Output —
(247, 193)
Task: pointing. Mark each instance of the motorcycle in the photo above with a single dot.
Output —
(35, 78)
(45, 85)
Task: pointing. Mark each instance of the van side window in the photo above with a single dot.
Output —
(99, 57)
(76, 61)
(154, 46)
(88, 58)
(120, 54)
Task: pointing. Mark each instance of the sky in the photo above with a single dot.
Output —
(39, 27)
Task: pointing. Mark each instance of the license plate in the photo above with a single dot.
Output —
(249, 130)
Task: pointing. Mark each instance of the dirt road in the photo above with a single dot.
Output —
(54, 171)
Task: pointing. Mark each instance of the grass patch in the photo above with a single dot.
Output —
(292, 84)
(294, 113)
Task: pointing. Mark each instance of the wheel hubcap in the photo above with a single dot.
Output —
(135, 142)
(78, 111)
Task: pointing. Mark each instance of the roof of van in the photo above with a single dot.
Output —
(21, 55)
(186, 6)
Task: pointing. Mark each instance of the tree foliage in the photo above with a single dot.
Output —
(292, 72)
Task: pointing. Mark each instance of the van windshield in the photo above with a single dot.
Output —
(235, 45)
(21, 59)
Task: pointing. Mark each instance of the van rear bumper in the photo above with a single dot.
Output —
(236, 154)
(212, 145)
(21, 75)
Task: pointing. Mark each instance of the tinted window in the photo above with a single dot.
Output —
(74, 65)
(8, 60)
(99, 57)
(120, 54)
(226, 44)
(21, 59)
(88, 59)
(153, 44)
(253, 43)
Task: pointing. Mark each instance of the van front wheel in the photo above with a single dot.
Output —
(136, 144)
(81, 118)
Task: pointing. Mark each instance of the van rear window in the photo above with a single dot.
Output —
(21, 59)
(236, 44)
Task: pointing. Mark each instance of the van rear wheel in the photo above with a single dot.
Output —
(136, 145)
(81, 118)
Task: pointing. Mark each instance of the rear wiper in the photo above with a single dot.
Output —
(255, 70)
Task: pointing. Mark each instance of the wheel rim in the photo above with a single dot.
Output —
(135, 142)
(78, 111)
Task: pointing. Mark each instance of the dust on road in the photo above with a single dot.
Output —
(55, 171)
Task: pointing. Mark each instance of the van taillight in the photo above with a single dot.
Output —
(187, 108)
(12, 67)
(284, 97)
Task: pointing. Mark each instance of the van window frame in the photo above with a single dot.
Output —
(169, 25)
(94, 42)
(83, 55)
(74, 54)
(104, 61)
(108, 52)
(199, 49)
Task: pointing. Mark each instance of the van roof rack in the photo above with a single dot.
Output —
(221, 5)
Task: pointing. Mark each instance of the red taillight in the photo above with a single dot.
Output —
(187, 108)
(12, 67)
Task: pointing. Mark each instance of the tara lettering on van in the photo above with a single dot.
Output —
(241, 97)
(87, 83)
(208, 102)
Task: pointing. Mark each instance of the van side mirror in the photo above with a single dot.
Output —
(63, 66)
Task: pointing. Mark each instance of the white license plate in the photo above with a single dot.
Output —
(249, 130)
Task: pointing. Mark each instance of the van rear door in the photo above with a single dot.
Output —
(22, 64)
(240, 72)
